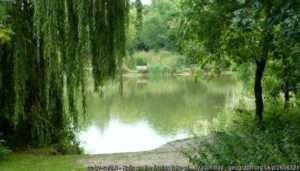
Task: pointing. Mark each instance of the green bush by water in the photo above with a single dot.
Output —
(165, 60)
(235, 140)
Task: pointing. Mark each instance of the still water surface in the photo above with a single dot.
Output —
(151, 112)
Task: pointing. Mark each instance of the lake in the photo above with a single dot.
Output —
(151, 112)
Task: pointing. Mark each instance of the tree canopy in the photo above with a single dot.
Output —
(238, 32)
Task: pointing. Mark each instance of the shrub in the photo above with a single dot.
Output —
(65, 147)
(165, 59)
(241, 143)
(140, 61)
(67, 144)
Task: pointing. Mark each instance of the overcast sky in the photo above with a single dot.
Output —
(145, 1)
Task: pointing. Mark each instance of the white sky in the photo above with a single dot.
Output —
(145, 2)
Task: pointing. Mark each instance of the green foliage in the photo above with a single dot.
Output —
(284, 68)
(4, 36)
(67, 145)
(164, 60)
(227, 39)
(43, 69)
(244, 73)
(140, 61)
(160, 22)
(132, 33)
(236, 142)
(2, 12)
(139, 19)
(3, 149)
(244, 32)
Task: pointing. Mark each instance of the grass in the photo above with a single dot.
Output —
(34, 162)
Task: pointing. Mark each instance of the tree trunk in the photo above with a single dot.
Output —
(260, 67)
(286, 83)
(121, 81)
(286, 96)
(261, 63)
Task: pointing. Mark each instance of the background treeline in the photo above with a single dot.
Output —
(152, 37)
(154, 26)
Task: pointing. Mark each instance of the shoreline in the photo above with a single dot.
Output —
(168, 154)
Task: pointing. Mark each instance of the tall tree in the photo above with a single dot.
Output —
(261, 60)
(53, 44)
(235, 32)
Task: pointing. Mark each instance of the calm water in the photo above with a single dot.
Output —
(151, 112)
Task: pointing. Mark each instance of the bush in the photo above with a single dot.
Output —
(140, 61)
(165, 59)
(65, 147)
(241, 143)
(67, 144)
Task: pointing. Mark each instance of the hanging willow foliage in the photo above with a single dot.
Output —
(6, 83)
(56, 42)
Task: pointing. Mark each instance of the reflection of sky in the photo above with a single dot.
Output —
(119, 137)
(150, 116)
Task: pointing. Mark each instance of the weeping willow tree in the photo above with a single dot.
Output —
(54, 45)
(7, 93)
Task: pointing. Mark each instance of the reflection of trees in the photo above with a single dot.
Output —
(99, 111)
(168, 106)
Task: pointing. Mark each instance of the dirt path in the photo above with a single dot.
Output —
(168, 154)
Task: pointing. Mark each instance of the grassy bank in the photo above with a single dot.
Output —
(235, 140)
(35, 162)
(162, 60)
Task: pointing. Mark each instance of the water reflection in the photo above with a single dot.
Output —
(151, 112)
(120, 137)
